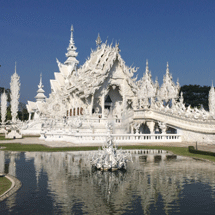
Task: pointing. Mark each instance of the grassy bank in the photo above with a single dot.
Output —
(42, 148)
(5, 184)
(183, 151)
(3, 138)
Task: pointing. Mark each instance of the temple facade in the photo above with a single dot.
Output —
(84, 98)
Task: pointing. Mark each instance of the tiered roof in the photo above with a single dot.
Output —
(147, 88)
(168, 89)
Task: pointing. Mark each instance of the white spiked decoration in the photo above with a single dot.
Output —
(14, 88)
(168, 90)
(98, 41)
(211, 100)
(3, 107)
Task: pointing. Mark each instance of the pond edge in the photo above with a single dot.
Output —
(16, 184)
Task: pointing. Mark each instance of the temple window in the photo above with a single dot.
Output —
(108, 102)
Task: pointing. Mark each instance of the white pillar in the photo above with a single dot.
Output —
(151, 126)
(92, 100)
(29, 117)
(132, 129)
(124, 96)
(103, 105)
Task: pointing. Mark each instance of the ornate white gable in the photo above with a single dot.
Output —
(168, 89)
(147, 89)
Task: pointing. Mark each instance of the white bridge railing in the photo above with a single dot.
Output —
(122, 138)
(117, 138)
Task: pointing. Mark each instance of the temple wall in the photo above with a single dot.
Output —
(190, 136)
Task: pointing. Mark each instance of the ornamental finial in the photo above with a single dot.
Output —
(40, 84)
(98, 40)
(15, 66)
(147, 66)
(167, 67)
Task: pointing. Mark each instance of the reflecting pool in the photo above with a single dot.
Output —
(64, 183)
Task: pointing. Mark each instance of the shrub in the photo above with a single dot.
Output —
(194, 151)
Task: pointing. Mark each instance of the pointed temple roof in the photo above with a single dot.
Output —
(168, 89)
(147, 88)
(91, 75)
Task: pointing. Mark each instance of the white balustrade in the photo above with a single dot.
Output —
(117, 138)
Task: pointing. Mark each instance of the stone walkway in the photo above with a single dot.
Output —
(35, 140)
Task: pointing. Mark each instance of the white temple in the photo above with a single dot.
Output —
(84, 98)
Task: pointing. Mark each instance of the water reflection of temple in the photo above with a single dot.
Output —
(8, 162)
(8, 166)
(74, 185)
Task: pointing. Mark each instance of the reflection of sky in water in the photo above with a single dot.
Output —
(63, 183)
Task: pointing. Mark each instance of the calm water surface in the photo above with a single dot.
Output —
(63, 183)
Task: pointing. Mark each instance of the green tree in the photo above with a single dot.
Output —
(195, 95)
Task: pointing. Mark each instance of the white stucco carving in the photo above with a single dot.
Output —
(14, 88)
(3, 111)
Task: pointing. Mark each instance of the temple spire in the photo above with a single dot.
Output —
(147, 66)
(40, 97)
(167, 68)
(40, 84)
(15, 66)
(71, 51)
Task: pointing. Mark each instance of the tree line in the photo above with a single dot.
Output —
(195, 95)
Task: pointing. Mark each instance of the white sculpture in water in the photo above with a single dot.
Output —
(14, 88)
(109, 158)
(3, 111)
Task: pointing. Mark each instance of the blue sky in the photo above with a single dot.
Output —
(35, 33)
